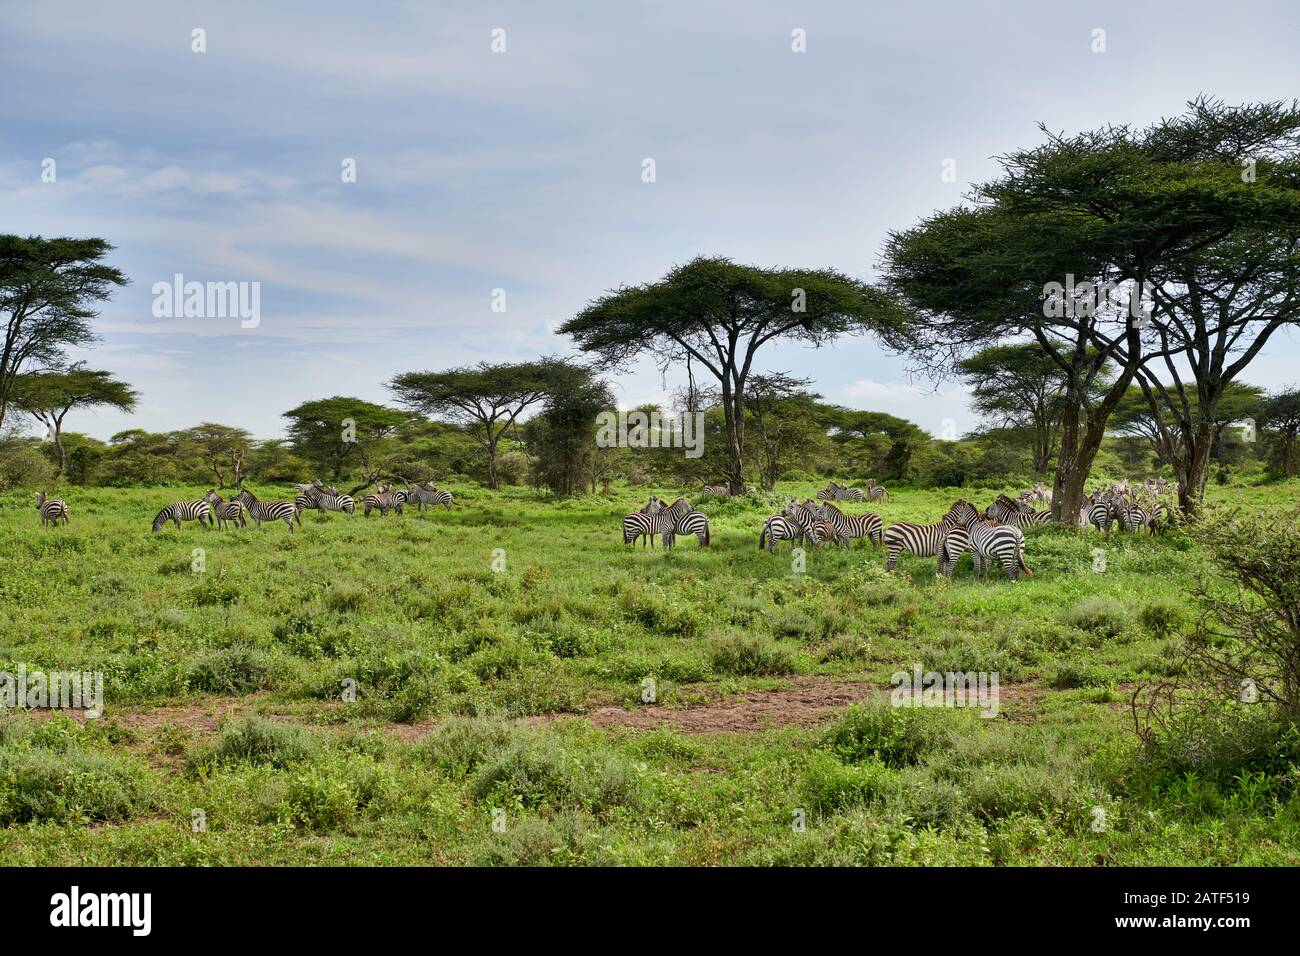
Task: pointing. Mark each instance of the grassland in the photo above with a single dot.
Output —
(521, 691)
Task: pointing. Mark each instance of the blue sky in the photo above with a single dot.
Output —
(522, 170)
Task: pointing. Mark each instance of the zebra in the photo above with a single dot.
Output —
(320, 498)
(922, 540)
(876, 492)
(865, 525)
(805, 516)
(384, 499)
(1103, 511)
(1004, 507)
(651, 507)
(437, 497)
(51, 509)
(419, 496)
(1028, 519)
(640, 523)
(988, 540)
(834, 492)
(223, 511)
(721, 491)
(200, 511)
(285, 511)
(779, 528)
(955, 543)
(694, 522)
(823, 531)
(1133, 516)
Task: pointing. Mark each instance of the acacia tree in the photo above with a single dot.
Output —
(49, 396)
(221, 447)
(486, 400)
(718, 315)
(342, 432)
(1111, 206)
(890, 440)
(48, 291)
(1281, 414)
(1018, 386)
(789, 423)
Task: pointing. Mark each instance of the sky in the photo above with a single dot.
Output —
(481, 169)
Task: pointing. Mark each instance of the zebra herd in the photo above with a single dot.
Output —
(838, 492)
(212, 511)
(667, 521)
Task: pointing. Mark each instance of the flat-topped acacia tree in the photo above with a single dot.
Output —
(716, 314)
(486, 400)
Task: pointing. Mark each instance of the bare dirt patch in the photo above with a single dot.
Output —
(806, 701)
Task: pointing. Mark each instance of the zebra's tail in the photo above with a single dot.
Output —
(762, 537)
(706, 534)
(1020, 556)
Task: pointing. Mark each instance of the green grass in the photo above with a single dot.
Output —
(371, 691)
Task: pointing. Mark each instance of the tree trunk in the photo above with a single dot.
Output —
(492, 464)
(1196, 468)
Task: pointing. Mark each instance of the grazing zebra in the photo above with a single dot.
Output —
(1133, 516)
(694, 522)
(779, 528)
(922, 540)
(876, 492)
(834, 492)
(1028, 519)
(1103, 511)
(988, 541)
(200, 511)
(823, 531)
(639, 523)
(324, 499)
(805, 516)
(865, 525)
(51, 509)
(385, 500)
(1003, 508)
(722, 491)
(955, 543)
(285, 511)
(232, 510)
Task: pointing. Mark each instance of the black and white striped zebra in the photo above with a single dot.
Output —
(865, 525)
(823, 531)
(1133, 516)
(639, 523)
(876, 492)
(1004, 507)
(1028, 519)
(989, 540)
(319, 498)
(834, 492)
(285, 511)
(384, 500)
(779, 528)
(200, 511)
(955, 543)
(922, 540)
(1103, 511)
(51, 509)
(721, 491)
(231, 511)
(693, 522)
(651, 507)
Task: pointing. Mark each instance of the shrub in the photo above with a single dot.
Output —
(751, 655)
(38, 785)
(231, 670)
(537, 772)
(460, 744)
(257, 741)
(897, 736)
(829, 786)
(1100, 614)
